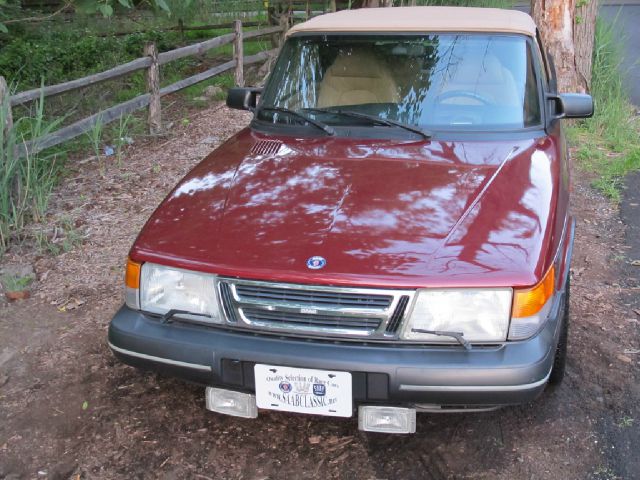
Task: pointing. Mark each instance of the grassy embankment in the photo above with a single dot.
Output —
(609, 143)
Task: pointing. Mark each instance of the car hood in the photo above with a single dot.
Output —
(381, 212)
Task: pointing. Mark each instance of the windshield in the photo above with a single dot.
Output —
(434, 82)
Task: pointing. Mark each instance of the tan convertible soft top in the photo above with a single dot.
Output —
(421, 19)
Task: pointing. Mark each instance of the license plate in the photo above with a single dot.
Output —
(304, 390)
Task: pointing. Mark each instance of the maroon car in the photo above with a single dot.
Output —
(391, 233)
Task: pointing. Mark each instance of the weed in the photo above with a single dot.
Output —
(12, 283)
(625, 422)
(604, 473)
(63, 238)
(95, 137)
(122, 138)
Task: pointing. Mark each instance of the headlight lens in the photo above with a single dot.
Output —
(482, 315)
(165, 288)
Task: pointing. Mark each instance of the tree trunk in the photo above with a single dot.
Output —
(568, 33)
(584, 38)
(376, 3)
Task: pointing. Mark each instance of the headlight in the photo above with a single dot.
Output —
(481, 315)
(165, 288)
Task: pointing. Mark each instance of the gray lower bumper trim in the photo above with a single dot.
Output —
(475, 388)
(168, 361)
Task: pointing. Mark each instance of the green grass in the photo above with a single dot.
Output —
(609, 142)
(26, 181)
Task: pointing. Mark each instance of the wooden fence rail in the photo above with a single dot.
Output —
(151, 62)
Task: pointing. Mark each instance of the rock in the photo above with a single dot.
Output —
(17, 295)
(209, 140)
(212, 91)
(18, 270)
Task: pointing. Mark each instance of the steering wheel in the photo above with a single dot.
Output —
(463, 94)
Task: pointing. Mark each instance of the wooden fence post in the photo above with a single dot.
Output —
(153, 88)
(4, 97)
(238, 53)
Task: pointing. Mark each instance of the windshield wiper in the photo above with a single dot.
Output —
(376, 119)
(167, 317)
(459, 336)
(322, 126)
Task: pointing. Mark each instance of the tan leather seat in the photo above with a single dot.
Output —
(357, 77)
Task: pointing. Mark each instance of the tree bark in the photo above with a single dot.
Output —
(568, 32)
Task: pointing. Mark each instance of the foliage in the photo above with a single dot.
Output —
(609, 142)
(59, 55)
(8, 10)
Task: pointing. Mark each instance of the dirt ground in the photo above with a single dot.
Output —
(68, 409)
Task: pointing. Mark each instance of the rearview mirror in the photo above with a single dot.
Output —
(573, 105)
(243, 98)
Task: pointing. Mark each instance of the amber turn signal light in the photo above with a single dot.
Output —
(132, 277)
(529, 302)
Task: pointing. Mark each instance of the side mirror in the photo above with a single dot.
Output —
(243, 98)
(572, 105)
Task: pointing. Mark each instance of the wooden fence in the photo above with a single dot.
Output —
(151, 62)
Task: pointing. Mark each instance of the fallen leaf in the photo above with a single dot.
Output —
(315, 439)
(85, 404)
(624, 358)
(577, 271)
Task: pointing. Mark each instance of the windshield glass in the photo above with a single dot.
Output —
(435, 82)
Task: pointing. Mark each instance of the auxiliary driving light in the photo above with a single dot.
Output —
(233, 403)
(386, 419)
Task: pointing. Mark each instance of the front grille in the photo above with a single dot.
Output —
(225, 294)
(398, 314)
(315, 320)
(315, 310)
(313, 297)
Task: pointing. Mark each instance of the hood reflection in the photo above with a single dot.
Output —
(391, 210)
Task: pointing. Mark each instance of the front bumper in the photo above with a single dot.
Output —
(512, 373)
